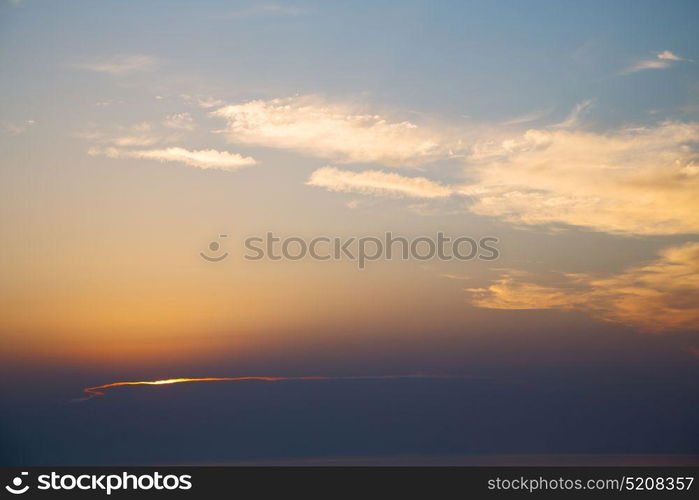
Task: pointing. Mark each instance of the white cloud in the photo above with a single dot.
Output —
(377, 183)
(204, 159)
(332, 131)
(670, 56)
(630, 181)
(122, 64)
(660, 296)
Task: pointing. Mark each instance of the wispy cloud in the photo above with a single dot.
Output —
(528, 118)
(576, 115)
(14, 128)
(202, 101)
(122, 64)
(660, 296)
(332, 131)
(378, 183)
(204, 159)
(179, 121)
(136, 135)
(662, 60)
(128, 142)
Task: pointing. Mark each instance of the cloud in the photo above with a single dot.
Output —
(122, 64)
(204, 159)
(136, 135)
(331, 131)
(576, 115)
(629, 181)
(529, 117)
(641, 181)
(98, 391)
(171, 130)
(648, 64)
(180, 121)
(202, 101)
(658, 297)
(128, 141)
(662, 60)
(667, 55)
(456, 277)
(17, 128)
(377, 183)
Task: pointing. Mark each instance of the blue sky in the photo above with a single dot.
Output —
(491, 61)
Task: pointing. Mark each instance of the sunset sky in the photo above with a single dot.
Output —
(133, 134)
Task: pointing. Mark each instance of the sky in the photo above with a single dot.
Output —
(134, 134)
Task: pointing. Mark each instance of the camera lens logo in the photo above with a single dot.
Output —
(214, 247)
(16, 489)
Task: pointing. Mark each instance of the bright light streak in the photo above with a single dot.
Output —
(97, 391)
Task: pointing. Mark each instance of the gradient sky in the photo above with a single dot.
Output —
(133, 133)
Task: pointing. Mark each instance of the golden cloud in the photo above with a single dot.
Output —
(633, 181)
(660, 296)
